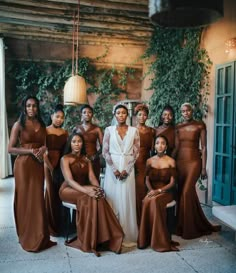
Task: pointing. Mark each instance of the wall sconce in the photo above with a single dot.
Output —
(230, 44)
(75, 87)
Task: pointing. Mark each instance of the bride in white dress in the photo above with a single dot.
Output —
(120, 149)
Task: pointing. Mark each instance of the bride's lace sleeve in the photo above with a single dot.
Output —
(105, 149)
(136, 147)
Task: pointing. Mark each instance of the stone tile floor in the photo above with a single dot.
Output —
(215, 253)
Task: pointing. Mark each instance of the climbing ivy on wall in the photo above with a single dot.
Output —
(180, 71)
(46, 82)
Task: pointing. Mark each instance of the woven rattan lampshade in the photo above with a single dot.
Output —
(75, 91)
(75, 87)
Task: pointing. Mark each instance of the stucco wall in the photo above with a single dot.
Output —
(120, 56)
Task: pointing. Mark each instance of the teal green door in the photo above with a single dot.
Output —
(224, 157)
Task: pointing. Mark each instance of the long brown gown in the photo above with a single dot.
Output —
(90, 140)
(55, 145)
(153, 227)
(29, 206)
(146, 141)
(169, 133)
(192, 223)
(95, 221)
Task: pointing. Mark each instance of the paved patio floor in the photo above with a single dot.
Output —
(215, 253)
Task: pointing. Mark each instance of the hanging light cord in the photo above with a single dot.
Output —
(77, 41)
(73, 48)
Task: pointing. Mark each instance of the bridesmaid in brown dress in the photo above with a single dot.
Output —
(147, 135)
(191, 164)
(96, 223)
(160, 180)
(93, 137)
(55, 142)
(29, 206)
(166, 127)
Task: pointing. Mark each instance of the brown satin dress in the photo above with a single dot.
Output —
(55, 145)
(169, 133)
(95, 221)
(146, 141)
(192, 223)
(90, 139)
(153, 227)
(29, 206)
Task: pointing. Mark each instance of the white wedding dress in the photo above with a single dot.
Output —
(121, 154)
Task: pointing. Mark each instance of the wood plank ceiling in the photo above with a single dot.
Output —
(101, 21)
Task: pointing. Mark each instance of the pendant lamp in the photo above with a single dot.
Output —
(75, 87)
(185, 13)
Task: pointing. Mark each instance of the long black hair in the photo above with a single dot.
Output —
(167, 108)
(23, 114)
(67, 149)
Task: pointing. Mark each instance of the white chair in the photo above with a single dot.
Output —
(69, 217)
(72, 207)
(171, 216)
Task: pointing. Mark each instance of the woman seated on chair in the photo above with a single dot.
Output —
(160, 181)
(95, 221)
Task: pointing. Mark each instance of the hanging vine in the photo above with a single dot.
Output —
(46, 82)
(180, 71)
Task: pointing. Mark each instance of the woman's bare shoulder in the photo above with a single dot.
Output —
(171, 162)
(68, 158)
(151, 159)
(17, 126)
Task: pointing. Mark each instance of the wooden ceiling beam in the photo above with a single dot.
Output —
(54, 22)
(85, 41)
(68, 4)
(101, 21)
(32, 4)
(66, 9)
(57, 15)
(122, 5)
(95, 37)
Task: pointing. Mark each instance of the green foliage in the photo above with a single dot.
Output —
(46, 82)
(180, 71)
(110, 84)
(201, 185)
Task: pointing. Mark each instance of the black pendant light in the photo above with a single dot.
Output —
(185, 13)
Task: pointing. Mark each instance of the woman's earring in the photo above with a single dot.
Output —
(165, 152)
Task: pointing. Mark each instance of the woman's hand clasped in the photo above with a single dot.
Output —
(153, 193)
(95, 192)
(203, 174)
(39, 152)
(121, 175)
